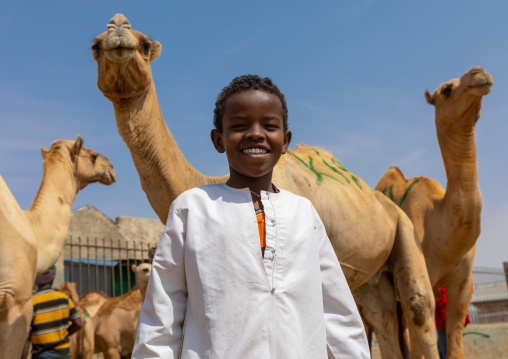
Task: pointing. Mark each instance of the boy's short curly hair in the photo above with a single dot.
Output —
(246, 83)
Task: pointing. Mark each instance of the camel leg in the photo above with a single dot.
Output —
(112, 353)
(459, 296)
(14, 326)
(414, 290)
(377, 304)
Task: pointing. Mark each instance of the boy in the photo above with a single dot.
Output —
(50, 328)
(243, 269)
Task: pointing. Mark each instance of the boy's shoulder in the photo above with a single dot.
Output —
(213, 192)
(293, 197)
(201, 191)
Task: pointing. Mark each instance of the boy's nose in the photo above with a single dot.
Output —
(255, 132)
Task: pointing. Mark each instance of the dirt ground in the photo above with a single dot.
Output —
(481, 341)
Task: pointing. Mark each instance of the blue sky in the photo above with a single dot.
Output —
(353, 73)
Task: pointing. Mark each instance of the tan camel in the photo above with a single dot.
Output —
(31, 241)
(82, 342)
(448, 222)
(364, 227)
(92, 300)
(117, 320)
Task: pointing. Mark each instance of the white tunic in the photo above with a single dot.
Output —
(211, 294)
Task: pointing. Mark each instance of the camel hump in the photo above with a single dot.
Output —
(396, 173)
(6, 301)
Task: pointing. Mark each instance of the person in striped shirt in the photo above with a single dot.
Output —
(50, 330)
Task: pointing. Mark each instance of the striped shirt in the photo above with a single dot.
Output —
(52, 312)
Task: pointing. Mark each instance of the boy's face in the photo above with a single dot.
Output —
(252, 136)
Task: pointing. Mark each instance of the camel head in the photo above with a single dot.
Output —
(460, 99)
(87, 165)
(142, 275)
(123, 57)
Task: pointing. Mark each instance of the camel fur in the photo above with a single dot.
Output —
(82, 342)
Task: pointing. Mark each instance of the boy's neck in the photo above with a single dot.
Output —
(255, 185)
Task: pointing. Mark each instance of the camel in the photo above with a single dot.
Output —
(448, 221)
(31, 241)
(364, 227)
(117, 320)
(82, 342)
(92, 300)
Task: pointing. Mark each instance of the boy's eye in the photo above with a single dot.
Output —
(271, 126)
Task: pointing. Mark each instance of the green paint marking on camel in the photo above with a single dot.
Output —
(318, 174)
(357, 182)
(407, 192)
(390, 193)
(336, 166)
(336, 170)
(339, 164)
(403, 198)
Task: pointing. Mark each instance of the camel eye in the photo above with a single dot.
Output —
(147, 46)
(447, 91)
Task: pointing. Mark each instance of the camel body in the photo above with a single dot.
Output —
(364, 226)
(31, 241)
(448, 221)
(82, 342)
(117, 319)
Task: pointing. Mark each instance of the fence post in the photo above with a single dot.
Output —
(505, 265)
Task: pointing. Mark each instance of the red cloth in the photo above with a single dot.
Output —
(441, 311)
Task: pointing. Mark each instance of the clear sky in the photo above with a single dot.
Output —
(353, 73)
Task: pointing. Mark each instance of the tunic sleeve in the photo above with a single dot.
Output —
(345, 333)
(160, 328)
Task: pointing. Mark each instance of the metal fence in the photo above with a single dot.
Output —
(489, 303)
(104, 265)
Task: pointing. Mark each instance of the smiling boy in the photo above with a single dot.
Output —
(243, 269)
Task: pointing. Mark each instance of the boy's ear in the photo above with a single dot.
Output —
(216, 137)
(287, 141)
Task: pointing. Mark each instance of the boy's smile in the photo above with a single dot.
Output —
(253, 138)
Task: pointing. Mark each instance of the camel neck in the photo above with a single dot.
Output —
(155, 153)
(51, 209)
(462, 201)
(458, 149)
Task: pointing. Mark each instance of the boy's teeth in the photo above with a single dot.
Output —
(254, 150)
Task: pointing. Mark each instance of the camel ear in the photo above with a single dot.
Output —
(96, 47)
(44, 152)
(216, 137)
(155, 50)
(134, 268)
(429, 98)
(77, 146)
